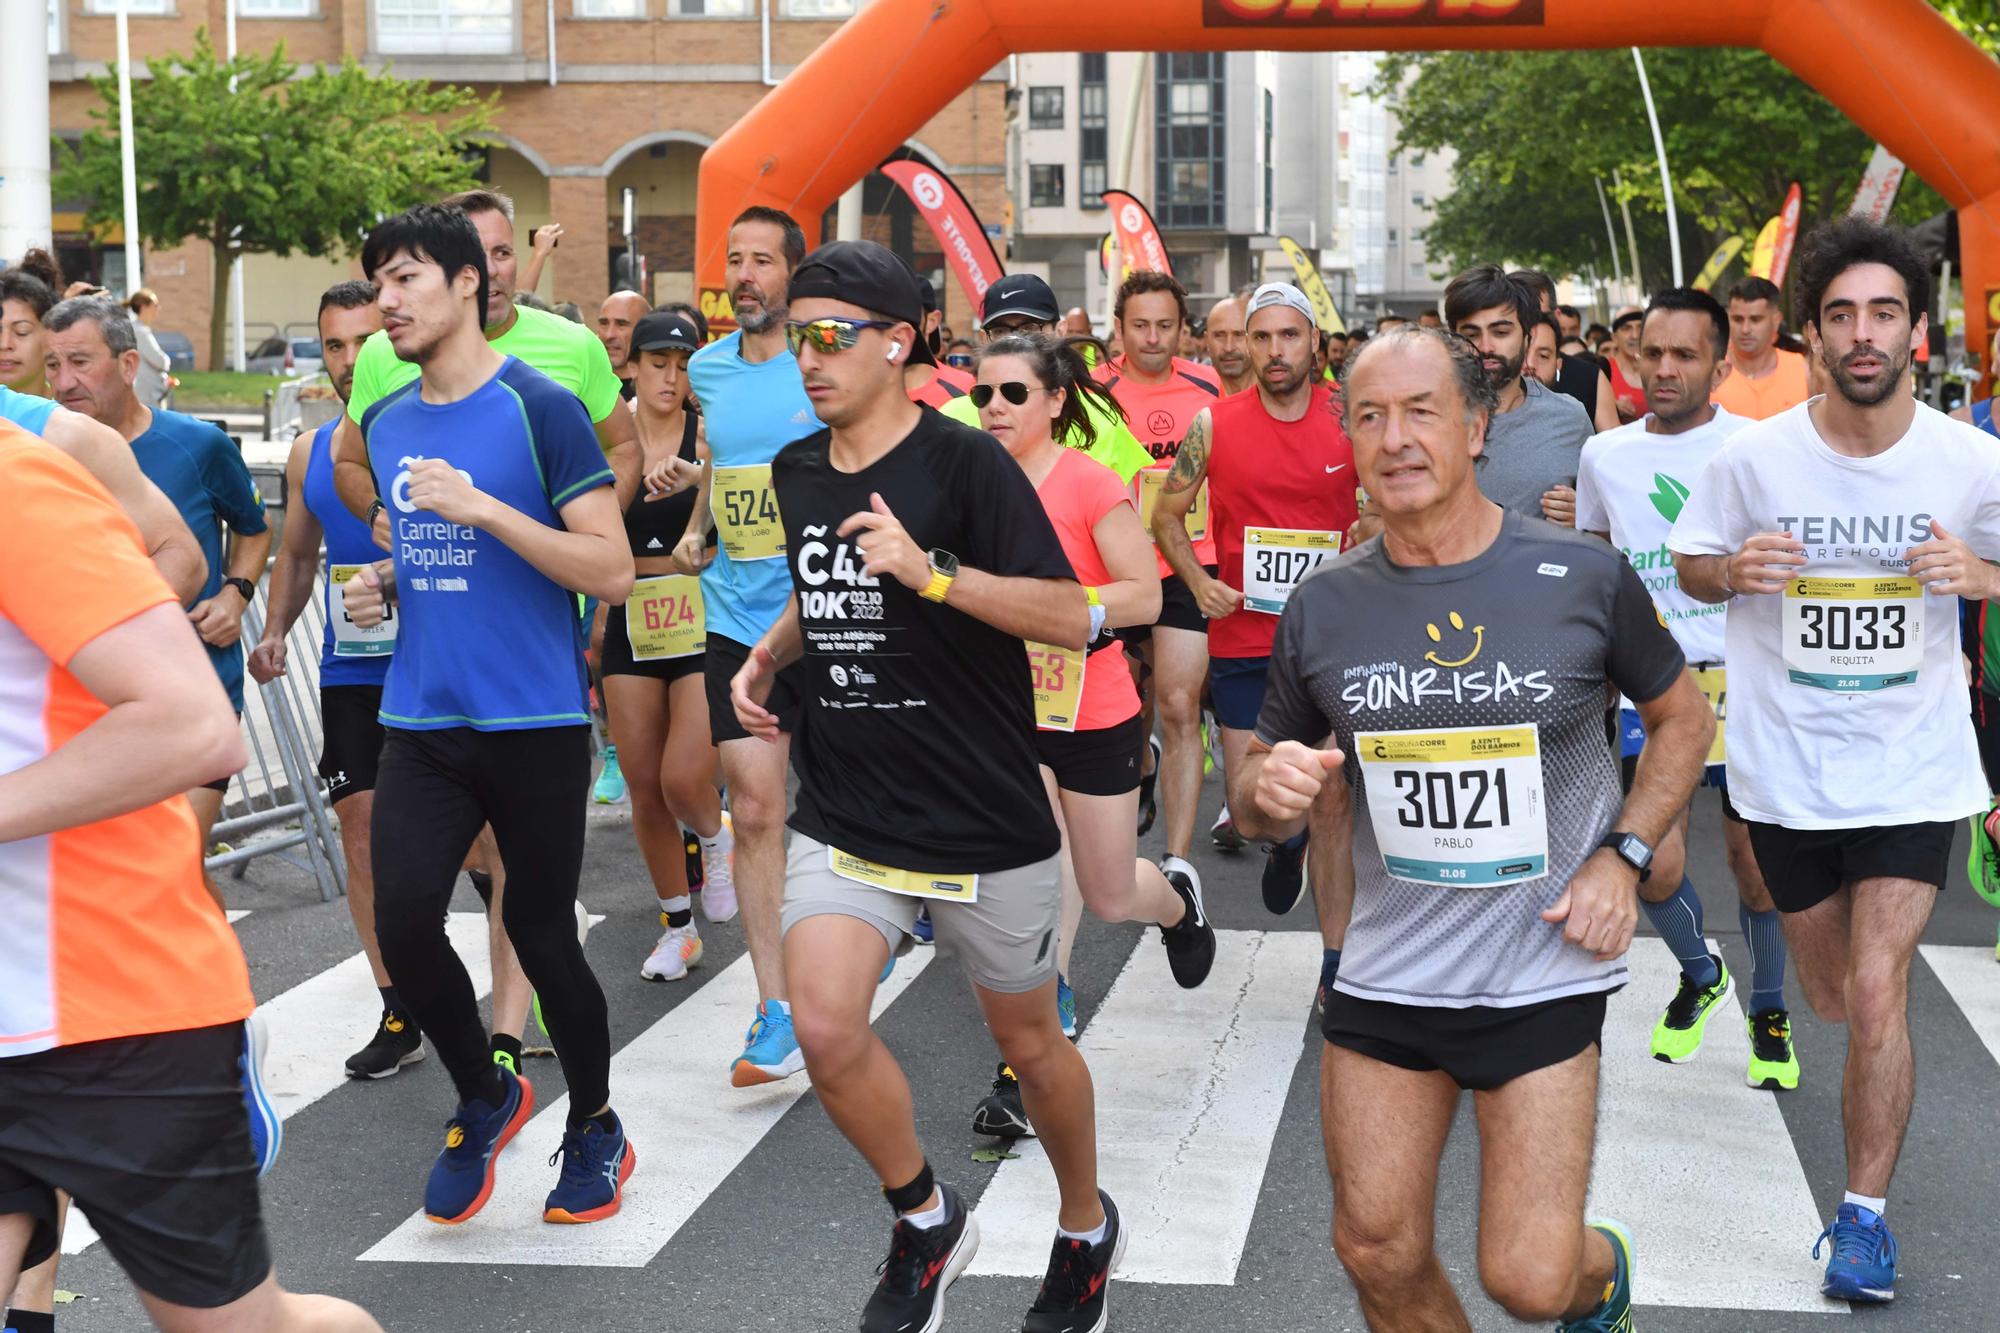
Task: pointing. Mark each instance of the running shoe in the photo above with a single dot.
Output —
(770, 1050)
(267, 1132)
(1862, 1266)
(1066, 1006)
(506, 1060)
(1149, 809)
(1210, 735)
(922, 1263)
(1329, 972)
(691, 849)
(921, 930)
(1614, 1315)
(1224, 835)
(718, 875)
(1982, 859)
(1773, 1062)
(1191, 940)
(678, 950)
(462, 1177)
(1677, 1036)
(1001, 1115)
(610, 788)
(1073, 1298)
(596, 1163)
(396, 1043)
(1284, 874)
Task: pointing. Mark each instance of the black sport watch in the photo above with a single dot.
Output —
(243, 586)
(1632, 849)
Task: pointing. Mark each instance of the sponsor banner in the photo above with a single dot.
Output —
(1325, 314)
(713, 302)
(1369, 13)
(1788, 233)
(1762, 252)
(1138, 239)
(1877, 194)
(957, 228)
(1720, 260)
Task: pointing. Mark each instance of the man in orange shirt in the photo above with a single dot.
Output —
(119, 1084)
(1764, 378)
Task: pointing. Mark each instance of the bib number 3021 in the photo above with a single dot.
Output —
(1853, 636)
(1462, 806)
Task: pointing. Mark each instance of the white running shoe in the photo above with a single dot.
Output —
(718, 876)
(582, 923)
(678, 950)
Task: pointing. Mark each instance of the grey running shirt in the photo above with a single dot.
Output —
(1469, 703)
(1532, 448)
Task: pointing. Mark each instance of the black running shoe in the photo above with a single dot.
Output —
(693, 846)
(1073, 1298)
(396, 1043)
(1001, 1114)
(1284, 876)
(1191, 940)
(1149, 809)
(922, 1262)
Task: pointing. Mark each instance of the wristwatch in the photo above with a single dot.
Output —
(374, 508)
(1633, 850)
(243, 586)
(944, 569)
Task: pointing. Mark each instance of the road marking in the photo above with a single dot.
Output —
(1190, 1088)
(236, 914)
(689, 1127)
(1699, 1164)
(1972, 978)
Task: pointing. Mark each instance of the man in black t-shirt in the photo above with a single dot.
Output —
(921, 558)
(1578, 377)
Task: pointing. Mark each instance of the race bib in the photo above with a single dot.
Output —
(349, 639)
(1853, 636)
(664, 618)
(745, 509)
(1461, 805)
(1151, 481)
(909, 883)
(1277, 560)
(1714, 683)
(1058, 680)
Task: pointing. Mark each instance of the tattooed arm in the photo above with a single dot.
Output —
(1177, 497)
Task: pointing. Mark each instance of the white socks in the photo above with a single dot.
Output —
(929, 1218)
(1875, 1206)
(1095, 1237)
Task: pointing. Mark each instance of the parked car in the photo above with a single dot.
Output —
(286, 356)
(178, 347)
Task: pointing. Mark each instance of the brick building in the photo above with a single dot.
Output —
(635, 92)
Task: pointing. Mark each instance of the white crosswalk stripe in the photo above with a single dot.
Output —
(1973, 978)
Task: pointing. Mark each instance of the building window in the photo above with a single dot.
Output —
(55, 28)
(712, 9)
(1189, 143)
(132, 6)
(1092, 130)
(819, 9)
(610, 9)
(277, 9)
(1418, 200)
(1392, 233)
(1045, 186)
(445, 27)
(1045, 108)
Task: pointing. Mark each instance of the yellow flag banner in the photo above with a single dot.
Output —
(1325, 314)
(1720, 260)
(1766, 248)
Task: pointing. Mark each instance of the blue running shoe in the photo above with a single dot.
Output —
(922, 932)
(462, 1176)
(1066, 1006)
(610, 786)
(1863, 1264)
(267, 1132)
(770, 1050)
(1615, 1314)
(887, 968)
(596, 1163)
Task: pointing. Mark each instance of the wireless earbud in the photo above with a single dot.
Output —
(895, 350)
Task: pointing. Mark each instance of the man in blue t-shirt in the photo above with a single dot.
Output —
(93, 362)
(501, 508)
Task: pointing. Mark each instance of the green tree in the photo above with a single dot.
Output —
(289, 162)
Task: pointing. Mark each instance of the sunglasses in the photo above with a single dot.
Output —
(831, 335)
(959, 361)
(1013, 391)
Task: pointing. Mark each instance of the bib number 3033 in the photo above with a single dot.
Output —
(1853, 636)
(1461, 806)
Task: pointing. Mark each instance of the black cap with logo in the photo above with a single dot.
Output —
(1021, 294)
(869, 275)
(667, 330)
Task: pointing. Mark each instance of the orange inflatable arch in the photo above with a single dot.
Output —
(1903, 74)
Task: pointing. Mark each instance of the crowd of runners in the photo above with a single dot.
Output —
(901, 640)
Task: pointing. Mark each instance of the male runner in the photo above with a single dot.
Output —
(93, 362)
(1578, 377)
(1764, 378)
(1842, 533)
(1161, 395)
(1536, 435)
(752, 405)
(1453, 675)
(1622, 356)
(1280, 476)
(935, 384)
(504, 510)
(1632, 485)
(920, 559)
(119, 1041)
(353, 662)
(1229, 345)
(615, 320)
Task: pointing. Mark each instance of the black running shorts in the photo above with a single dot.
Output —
(617, 659)
(351, 746)
(1481, 1048)
(1178, 610)
(1104, 762)
(1805, 867)
(150, 1137)
(720, 663)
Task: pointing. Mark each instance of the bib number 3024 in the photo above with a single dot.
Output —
(1462, 806)
(1277, 560)
(1853, 636)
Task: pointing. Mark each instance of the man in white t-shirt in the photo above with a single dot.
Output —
(1845, 530)
(1631, 485)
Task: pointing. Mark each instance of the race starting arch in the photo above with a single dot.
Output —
(1897, 69)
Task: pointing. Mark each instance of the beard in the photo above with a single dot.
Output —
(1280, 381)
(1510, 369)
(765, 318)
(1897, 360)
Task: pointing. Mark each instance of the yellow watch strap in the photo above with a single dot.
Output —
(1091, 597)
(935, 590)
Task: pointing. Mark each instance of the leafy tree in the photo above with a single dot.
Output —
(288, 162)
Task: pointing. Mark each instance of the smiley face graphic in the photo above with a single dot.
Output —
(1457, 623)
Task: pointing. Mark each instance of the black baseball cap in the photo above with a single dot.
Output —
(1626, 316)
(667, 330)
(869, 275)
(1021, 294)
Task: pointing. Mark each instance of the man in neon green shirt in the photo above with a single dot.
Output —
(1023, 303)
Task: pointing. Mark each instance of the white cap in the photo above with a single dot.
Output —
(1276, 294)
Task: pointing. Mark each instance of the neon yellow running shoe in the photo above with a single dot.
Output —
(1774, 1064)
(1982, 861)
(1677, 1036)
